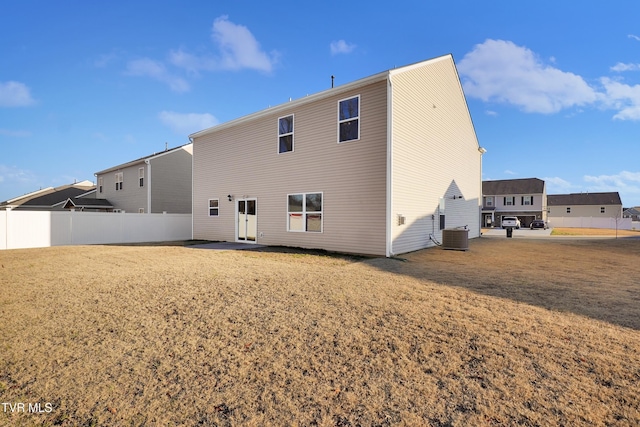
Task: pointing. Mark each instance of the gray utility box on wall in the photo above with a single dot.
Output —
(456, 239)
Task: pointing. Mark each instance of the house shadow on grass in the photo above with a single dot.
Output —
(599, 279)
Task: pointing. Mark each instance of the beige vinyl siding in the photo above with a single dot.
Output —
(132, 197)
(243, 160)
(585, 211)
(434, 155)
(170, 181)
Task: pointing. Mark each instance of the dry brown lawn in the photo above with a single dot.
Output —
(593, 232)
(511, 332)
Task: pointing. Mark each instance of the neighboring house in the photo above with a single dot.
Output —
(377, 166)
(633, 213)
(525, 198)
(157, 183)
(50, 199)
(566, 209)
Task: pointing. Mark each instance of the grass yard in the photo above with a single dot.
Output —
(511, 332)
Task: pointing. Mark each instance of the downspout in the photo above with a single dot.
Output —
(148, 171)
(389, 231)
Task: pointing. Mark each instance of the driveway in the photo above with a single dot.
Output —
(523, 233)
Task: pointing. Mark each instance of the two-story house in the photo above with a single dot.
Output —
(157, 183)
(524, 198)
(377, 166)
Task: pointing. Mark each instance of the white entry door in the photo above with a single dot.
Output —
(247, 220)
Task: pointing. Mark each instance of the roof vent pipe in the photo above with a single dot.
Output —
(332, 77)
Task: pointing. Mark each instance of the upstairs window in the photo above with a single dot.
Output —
(488, 201)
(119, 179)
(285, 134)
(602, 209)
(100, 184)
(526, 200)
(349, 119)
(510, 201)
(141, 177)
(568, 209)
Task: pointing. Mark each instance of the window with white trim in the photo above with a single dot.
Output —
(349, 119)
(119, 180)
(568, 209)
(304, 212)
(285, 134)
(214, 207)
(141, 210)
(510, 201)
(488, 201)
(100, 184)
(602, 209)
(141, 177)
(526, 200)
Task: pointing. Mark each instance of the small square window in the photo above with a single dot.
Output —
(141, 177)
(214, 207)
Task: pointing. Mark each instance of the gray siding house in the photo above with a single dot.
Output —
(377, 166)
(524, 198)
(157, 183)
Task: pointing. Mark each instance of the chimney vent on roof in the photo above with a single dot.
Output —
(166, 146)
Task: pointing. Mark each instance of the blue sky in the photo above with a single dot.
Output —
(553, 87)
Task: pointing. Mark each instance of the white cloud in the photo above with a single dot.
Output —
(619, 67)
(503, 72)
(619, 180)
(104, 60)
(558, 185)
(156, 70)
(626, 183)
(15, 94)
(622, 97)
(632, 36)
(341, 46)
(188, 123)
(13, 174)
(510, 172)
(491, 113)
(237, 46)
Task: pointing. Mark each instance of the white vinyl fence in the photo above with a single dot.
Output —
(590, 222)
(31, 229)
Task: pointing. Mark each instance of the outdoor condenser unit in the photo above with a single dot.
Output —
(455, 239)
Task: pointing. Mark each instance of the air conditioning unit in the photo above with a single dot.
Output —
(455, 239)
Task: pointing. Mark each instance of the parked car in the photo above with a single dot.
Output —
(510, 221)
(538, 223)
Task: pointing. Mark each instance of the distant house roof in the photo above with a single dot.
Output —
(50, 197)
(612, 198)
(513, 186)
(87, 203)
(141, 159)
(632, 212)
